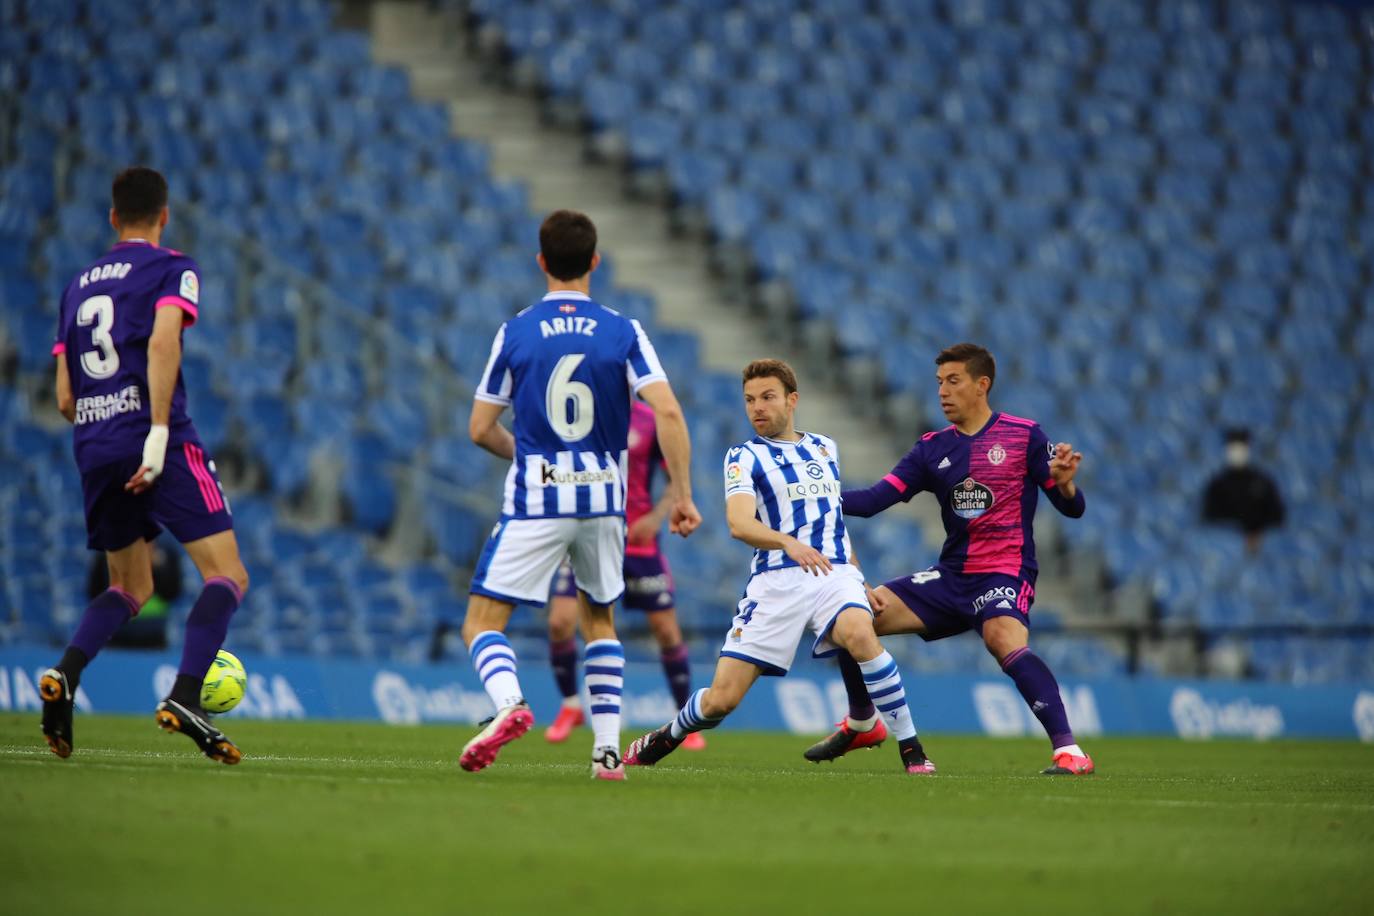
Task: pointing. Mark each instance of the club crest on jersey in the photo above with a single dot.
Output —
(997, 454)
(970, 499)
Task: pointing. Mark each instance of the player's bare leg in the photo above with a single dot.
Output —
(604, 675)
(863, 727)
(704, 709)
(676, 665)
(853, 633)
(892, 616)
(131, 584)
(1008, 639)
(226, 581)
(563, 613)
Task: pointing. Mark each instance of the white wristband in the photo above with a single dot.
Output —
(154, 452)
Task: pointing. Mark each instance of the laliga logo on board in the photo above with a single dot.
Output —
(1197, 717)
(399, 702)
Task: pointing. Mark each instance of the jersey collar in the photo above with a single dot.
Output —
(804, 436)
(986, 426)
(560, 295)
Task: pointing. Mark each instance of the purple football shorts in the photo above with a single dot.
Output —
(648, 583)
(186, 499)
(950, 603)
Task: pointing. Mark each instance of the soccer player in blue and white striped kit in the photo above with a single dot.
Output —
(569, 367)
(782, 497)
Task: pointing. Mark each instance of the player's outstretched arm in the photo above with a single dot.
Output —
(676, 444)
(869, 501)
(745, 526)
(486, 431)
(899, 485)
(164, 362)
(66, 403)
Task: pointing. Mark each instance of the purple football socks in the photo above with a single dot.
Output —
(677, 669)
(110, 610)
(1041, 693)
(563, 661)
(861, 707)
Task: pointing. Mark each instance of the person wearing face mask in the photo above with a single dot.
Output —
(1241, 494)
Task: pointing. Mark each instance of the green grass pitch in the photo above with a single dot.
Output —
(364, 818)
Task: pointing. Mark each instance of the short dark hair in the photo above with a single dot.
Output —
(977, 360)
(567, 240)
(139, 194)
(772, 368)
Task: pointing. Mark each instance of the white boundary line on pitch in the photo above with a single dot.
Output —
(34, 755)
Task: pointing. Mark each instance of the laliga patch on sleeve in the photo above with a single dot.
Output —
(734, 472)
(190, 287)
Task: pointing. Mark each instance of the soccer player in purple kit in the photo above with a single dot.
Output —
(985, 469)
(118, 353)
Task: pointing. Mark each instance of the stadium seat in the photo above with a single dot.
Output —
(1163, 193)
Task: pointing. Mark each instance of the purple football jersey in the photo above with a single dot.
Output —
(104, 324)
(987, 485)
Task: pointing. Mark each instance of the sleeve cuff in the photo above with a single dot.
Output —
(491, 398)
(648, 380)
(59, 348)
(192, 313)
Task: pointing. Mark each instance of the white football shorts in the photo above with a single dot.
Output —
(782, 603)
(522, 554)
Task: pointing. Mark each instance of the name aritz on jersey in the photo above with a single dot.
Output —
(104, 406)
(552, 476)
(550, 327)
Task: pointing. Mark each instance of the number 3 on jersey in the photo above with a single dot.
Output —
(569, 404)
(104, 361)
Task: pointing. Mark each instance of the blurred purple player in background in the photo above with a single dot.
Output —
(118, 352)
(985, 469)
(648, 586)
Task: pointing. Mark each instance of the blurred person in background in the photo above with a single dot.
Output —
(1241, 494)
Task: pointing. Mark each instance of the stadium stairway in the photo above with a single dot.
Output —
(551, 161)
(446, 62)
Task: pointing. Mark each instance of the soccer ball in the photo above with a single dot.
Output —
(224, 683)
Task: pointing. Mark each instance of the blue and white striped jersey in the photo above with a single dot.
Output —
(569, 366)
(796, 489)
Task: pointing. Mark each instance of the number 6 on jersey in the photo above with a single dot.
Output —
(562, 392)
